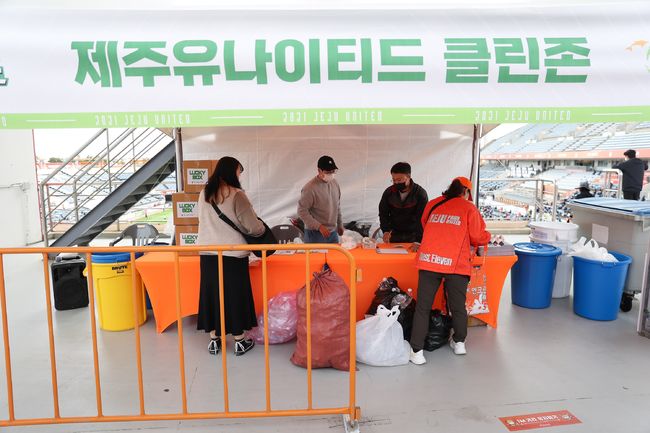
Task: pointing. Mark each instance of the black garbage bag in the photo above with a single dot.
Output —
(439, 331)
(389, 294)
(384, 295)
(406, 317)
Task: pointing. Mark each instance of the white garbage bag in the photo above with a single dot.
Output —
(380, 340)
(590, 250)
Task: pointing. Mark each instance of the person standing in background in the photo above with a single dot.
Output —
(319, 206)
(632, 169)
(401, 207)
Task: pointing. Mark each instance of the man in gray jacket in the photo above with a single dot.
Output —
(320, 205)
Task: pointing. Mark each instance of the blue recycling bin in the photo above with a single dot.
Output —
(598, 286)
(533, 275)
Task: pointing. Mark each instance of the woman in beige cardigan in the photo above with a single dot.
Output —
(224, 190)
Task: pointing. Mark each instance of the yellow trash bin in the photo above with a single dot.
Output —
(113, 283)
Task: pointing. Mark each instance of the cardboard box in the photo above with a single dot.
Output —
(186, 236)
(473, 321)
(196, 174)
(185, 209)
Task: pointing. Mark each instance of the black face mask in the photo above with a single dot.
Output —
(401, 187)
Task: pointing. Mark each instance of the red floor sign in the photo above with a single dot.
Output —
(539, 420)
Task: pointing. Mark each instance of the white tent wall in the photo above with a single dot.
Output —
(19, 221)
(278, 161)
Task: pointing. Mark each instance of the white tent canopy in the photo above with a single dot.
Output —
(124, 64)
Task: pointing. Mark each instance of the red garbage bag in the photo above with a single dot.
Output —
(330, 323)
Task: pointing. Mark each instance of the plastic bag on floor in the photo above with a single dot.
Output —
(439, 331)
(330, 323)
(389, 294)
(384, 295)
(380, 340)
(283, 320)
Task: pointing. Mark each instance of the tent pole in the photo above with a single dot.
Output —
(178, 140)
(476, 159)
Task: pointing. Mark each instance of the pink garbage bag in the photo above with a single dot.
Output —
(283, 319)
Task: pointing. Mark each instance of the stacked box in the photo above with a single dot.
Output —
(185, 209)
(196, 174)
(186, 236)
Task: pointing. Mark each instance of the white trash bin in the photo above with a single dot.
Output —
(564, 268)
(553, 231)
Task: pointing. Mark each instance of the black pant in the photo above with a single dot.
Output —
(631, 195)
(456, 288)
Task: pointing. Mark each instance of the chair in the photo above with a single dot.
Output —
(286, 233)
(140, 234)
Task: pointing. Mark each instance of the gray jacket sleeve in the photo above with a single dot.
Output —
(246, 215)
(304, 204)
(339, 217)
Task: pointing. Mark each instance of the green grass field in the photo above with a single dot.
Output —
(160, 217)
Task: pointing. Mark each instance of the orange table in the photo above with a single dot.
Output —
(287, 273)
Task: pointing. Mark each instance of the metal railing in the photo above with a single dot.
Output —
(609, 188)
(350, 411)
(100, 174)
(538, 194)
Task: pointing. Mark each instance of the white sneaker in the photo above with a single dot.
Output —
(417, 358)
(458, 348)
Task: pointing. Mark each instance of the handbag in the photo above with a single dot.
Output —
(476, 301)
(266, 238)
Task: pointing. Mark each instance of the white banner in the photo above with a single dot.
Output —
(67, 68)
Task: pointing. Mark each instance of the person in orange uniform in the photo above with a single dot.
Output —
(451, 224)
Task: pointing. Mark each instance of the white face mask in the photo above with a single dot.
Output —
(327, 177)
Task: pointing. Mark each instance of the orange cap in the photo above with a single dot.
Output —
(465, 182)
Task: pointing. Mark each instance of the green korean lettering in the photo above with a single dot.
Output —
(567, 49)
(208, 53)
(262, 57)
(298, 67)
(510, 51)
(103, 54)
(390, 59)
(467, 60)
(335, 57)
(314, 61)
(145, 51)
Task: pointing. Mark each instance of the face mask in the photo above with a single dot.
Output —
(327, 177)
(401, 187)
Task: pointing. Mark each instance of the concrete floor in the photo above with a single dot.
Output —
(536, 361)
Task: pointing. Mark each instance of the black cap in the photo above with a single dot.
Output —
(631, 153)
(327, 163)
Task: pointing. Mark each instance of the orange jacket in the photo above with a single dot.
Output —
(448, 233)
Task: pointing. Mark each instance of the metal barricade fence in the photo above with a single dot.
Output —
(350, 412)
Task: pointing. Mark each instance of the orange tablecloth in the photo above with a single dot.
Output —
(287, 272)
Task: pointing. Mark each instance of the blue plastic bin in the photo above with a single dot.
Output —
(533, 275)
(598, 286)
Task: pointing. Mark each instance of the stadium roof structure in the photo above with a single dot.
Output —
(583, 141)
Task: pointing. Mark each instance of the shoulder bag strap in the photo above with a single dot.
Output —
(224, 218)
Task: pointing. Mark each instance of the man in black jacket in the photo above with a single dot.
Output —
(401, 207)
(633, 169)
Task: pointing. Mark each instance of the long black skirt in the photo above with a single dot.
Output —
(239, 306)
